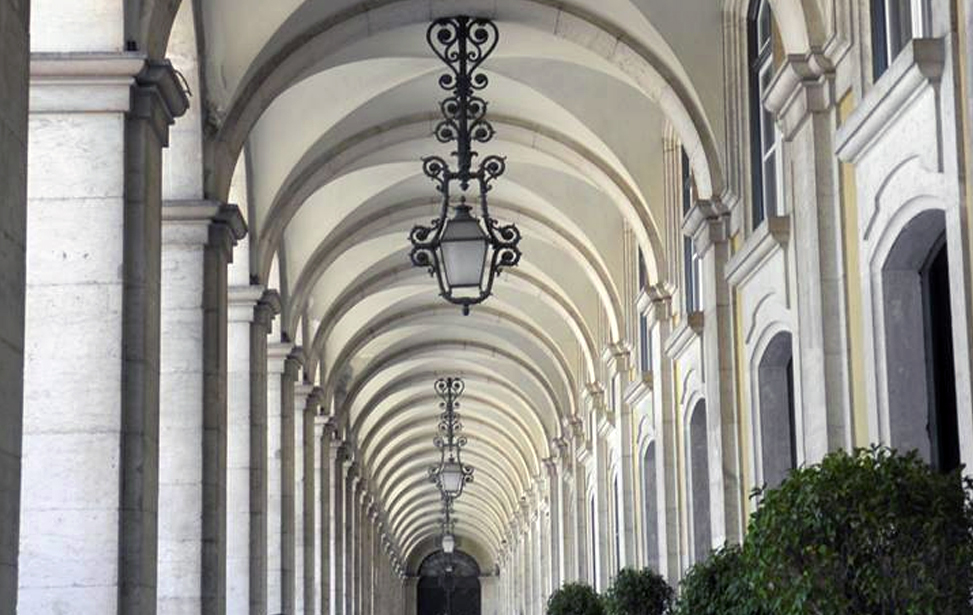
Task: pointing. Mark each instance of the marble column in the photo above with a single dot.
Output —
(350, 531)
(289, 495)
(321, 530)
(98, 123)
(803, 100)
(554, 533)
(302, 393)
(336, 527)
(277, 354)
(15, 20)
(410, 587)
(197, 243)
(242, 303)
(666, 441)
(709, 229)
(267, 308)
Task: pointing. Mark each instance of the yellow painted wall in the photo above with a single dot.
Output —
(743, 407)
(853, 287)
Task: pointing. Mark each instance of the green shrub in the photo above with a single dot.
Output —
(638, 593)
(575, 599)
(871, 533)
(717, 586)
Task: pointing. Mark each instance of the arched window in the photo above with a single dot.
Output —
(650, 499)
(699, 482)
(921, 376)
(766, 52)
(692, 266)
(894, 24)
(778, 429)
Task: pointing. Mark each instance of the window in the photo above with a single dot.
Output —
(894, 24)
(594, 541)
(645, 344)
(765, 50)
(616, 506)
(691, 263)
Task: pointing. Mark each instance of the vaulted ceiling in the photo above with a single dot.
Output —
(324, 109)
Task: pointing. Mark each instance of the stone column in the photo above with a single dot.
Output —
(367, 564)
(277, 354)
(263, 316)
(13, 235)
(350, 543)
(98, 123)
(619, 366)
(336, 527)
(302, 393)
(242, 302)
(667, 438)
(289, 494)
(197, 243)
(410, 587)
(321, 530)
(709, 229)
(803, 100)
(555, 535)
(583, 557)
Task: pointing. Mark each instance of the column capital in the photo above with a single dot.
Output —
(294, 362)
(268, 307)
(802, 86)
(215, 224)
(277, 354)
(158, 97)
(83, 82)
(707, 225)
(242, 302)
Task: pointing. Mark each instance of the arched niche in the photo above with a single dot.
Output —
(778, 428)
(449, 583)
(918, 342)
(699, 482)
(650, 507)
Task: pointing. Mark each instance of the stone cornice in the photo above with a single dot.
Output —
(242, 301)
(919, 65)
(158, 98)
(277, 354)
(769, 237)
(83, 82)
(639, 390)
(689, 331)
(804, 85)
(706, 225)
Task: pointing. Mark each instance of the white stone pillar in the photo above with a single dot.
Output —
(197, 240)
(336, 572)
(710, 232)
(277, 354)
(263, 316)
(13, 235)
(667, 462)
(242, 303)
(98, 123)
(351, 534)
(302, 392)
(321, 530)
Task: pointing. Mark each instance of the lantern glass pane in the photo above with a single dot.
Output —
(452, 478)
(449, 543)
(464, 249)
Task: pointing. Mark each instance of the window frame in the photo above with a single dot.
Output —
(888, 29)
(761, 69)
(692, 265)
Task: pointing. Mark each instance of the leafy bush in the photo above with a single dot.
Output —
(638, 593)
(575, 599)
(870, 533)
(717, 586)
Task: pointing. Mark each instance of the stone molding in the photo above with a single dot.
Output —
(83, 82)
(159, 97)
(267, 308)
(763, 243)
(803, 85)
(242, 302)
(689, 330)
(706, 225)
(919, 65)
(277, 354)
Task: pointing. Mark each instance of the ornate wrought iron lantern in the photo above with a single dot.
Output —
(448, 539)
(450, 475)
(463, 252)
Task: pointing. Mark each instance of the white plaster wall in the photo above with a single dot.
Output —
(14, 53)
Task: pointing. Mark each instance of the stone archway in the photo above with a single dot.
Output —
(449, 584)
(918, 342)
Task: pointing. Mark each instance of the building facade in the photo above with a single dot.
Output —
(747, 243)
